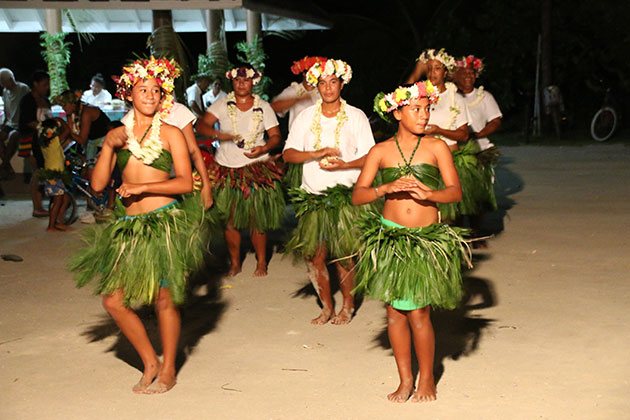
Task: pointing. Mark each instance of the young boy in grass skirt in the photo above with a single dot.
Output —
(330, 139)
(484, 120)
(292, 100)
(407, 258)
(145, 255)
(248, 191)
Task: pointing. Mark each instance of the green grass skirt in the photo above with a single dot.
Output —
(488, 160)
(419, 265)
(251, 196)
(139, 254)
(293, 175)
(474, 182)
(325, 219)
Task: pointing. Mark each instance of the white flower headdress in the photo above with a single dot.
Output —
(243, 71)
(330, 67)
(442, 56)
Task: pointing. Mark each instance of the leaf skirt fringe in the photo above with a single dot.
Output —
(141, 253)
(293, 175)
(474, 182)
(325, 219)
(251, 196)
(421, 265)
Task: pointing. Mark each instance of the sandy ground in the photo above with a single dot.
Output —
(544, 335)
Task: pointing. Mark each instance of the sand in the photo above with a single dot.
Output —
(544, 335)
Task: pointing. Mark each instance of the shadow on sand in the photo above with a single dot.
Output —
(200, 316)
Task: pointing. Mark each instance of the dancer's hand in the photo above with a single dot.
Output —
(431, 129)
(254, 152)
(327, 152)
(400, 185)
(332, 163)
(129, 189)
(206, 197)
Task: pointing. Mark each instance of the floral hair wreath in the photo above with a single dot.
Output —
(304, 64)
(330, 67)
(244, 71)
(48, 130)
(442, 56)
(163, 70)
(68, 97)
(471, 62)
(385, 103)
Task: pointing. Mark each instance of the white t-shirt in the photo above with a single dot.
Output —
(297, 90)
(101, 99)
(356, 141)
(229, 154)
(482, 108)
(209, 98)
(180, 116)
(193, 95)
(11, 99)
(450, 112)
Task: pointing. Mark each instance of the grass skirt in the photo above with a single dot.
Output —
(473, 180)
(488, 160)
(420, 265)
(251, 196)
(293, 175)
(141, 253)
(328, 219)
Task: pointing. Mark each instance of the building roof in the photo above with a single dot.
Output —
(107, 16)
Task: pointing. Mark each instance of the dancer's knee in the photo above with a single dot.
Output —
(164, 301)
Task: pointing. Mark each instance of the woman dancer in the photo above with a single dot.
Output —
(145, 255)
(408, 259)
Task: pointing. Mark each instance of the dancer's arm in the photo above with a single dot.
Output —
(199, 164)
(459, 135)
(205, 126)
(452, 191)
(102, 172)
(273, 140)
(491, 127)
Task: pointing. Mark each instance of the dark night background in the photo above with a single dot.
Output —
(381, 39)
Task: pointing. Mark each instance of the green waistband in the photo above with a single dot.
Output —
(161, 208)
(389, 223)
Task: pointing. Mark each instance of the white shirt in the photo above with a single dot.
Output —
(180, 116)
(193, 96)
(482, 108)
(209, 98)
(11, 99)
(356, 140)
(450, 112)
(99, 100)
(296, 90)
(229, 154)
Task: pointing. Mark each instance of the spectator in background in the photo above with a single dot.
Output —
(194, 95)
(213, 94)
(97, 95)
(12, 94)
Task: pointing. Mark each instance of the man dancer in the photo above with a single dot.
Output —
(330, 139)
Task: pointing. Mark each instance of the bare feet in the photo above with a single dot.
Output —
(343, 317)
(40, 213)
(164, 383)
(234, 270)
(261, 270)
(150, 372)
(323, 317)
(426, 391)
(61, 226)
(403, 392)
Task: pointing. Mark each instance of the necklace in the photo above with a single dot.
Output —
(479, 95)
(316, 125)
(406, 169)
(257, 115)
(152, 147)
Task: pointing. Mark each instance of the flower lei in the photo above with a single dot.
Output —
(316, 125)
(472, 62)
(152, 147)
(249, 141)
(330, 67)
(248, 73)
(163, 70)
(451, 89)
(442, 56)
(386, 103)
(302, 65)
(479, 95)
(48, 130)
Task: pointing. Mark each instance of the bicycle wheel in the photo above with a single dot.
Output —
(603, 124)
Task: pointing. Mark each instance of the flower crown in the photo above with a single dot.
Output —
(442, 56)
(242, 71)
(68, 97)
(163, 70)
(471, 62)
(48, 130)
(330, 67)
(385, 103)
(302, 65)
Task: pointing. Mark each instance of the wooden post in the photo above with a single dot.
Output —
(254, 27)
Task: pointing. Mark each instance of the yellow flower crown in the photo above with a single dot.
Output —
(385, 103)
(330, 67)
